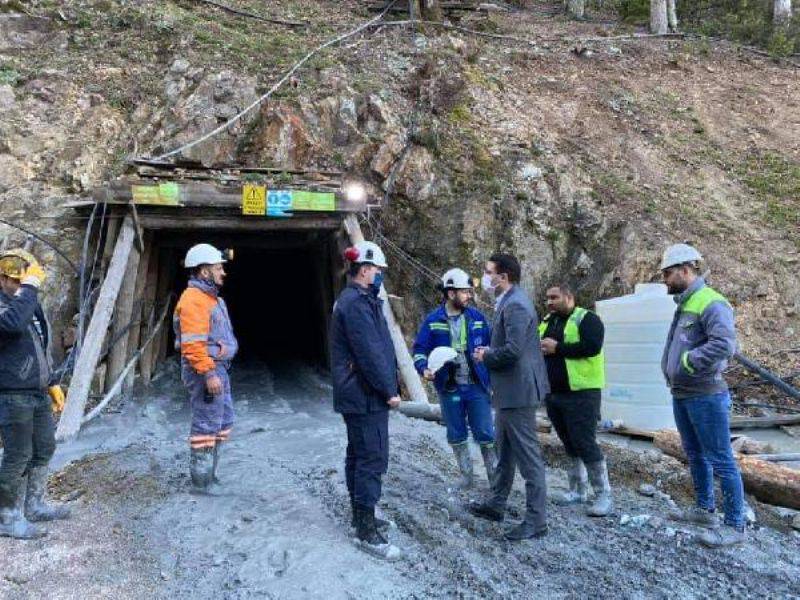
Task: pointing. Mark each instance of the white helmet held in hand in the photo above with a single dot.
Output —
(203, 254)
(368, 253)
(456, 279)
(678, 254)
(440, 356)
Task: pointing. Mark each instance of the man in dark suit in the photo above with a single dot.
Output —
(520, 384)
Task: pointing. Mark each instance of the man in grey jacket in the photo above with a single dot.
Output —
(520, 384)
(701, 340)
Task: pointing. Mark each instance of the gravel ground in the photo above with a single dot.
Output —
(281, 527)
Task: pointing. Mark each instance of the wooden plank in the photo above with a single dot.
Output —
(210, 195)
(86, 363)
(140, 312)
(239, 223)
(146, 361)
(169, 271)
(169, 166)
(405, 364)
(123, 313)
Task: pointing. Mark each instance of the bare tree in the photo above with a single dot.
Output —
(658, 17)
(782, 11)
(672, 16)
(576, 8)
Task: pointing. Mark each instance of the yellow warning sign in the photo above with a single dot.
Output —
(254, 200)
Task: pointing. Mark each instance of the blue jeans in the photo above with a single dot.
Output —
(703, 422)
(470, 404)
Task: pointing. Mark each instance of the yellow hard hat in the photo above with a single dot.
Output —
(14, 262)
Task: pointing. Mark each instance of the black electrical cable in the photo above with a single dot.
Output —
(44, 241)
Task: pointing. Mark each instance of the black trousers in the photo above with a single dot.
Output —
(574, 416)
(367, 457)
(28, 432)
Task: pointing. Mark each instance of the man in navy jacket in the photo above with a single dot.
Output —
(365, 387)
(26, 414)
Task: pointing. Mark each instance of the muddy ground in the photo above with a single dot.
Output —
(280, 530)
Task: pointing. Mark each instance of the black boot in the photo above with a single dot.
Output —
(366, 530)
(13, 523)
(382, 525)
(36, 508)
(487, 510)
(370, 539)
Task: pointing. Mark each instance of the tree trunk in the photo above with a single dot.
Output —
(429, 10)
(768, 482)
(672, 16)
(658, 17)
(782, 12)
(576, 8)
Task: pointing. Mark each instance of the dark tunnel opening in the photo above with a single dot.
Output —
(279, 291)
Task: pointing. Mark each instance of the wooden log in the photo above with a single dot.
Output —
(70, 422)
(778, 457)
(764, 422)
(433, 412)
(767, 481)
(123, 314)
(405, 364)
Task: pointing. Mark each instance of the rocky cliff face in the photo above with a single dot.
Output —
(583, 160)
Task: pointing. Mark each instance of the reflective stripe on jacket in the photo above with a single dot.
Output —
(701, 340)
(435, 332)
(203, 329)
(587, 373)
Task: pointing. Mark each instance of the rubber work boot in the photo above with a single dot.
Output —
(525, 531)
(696, 516)
(489, 460)
(13, 523)
(603, 503)
(382, 525)
(488, 511)
(36, 508)
(578, 484)
(464, 461)
(214, 477)
(369, 538)
(201, 468)
(723, 537)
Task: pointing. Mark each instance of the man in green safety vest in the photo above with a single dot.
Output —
(572, 344)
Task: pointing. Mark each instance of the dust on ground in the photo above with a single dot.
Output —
(281, 527)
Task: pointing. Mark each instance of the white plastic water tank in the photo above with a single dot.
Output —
(636, 330)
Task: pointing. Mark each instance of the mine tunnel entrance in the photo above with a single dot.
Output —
(280, 288)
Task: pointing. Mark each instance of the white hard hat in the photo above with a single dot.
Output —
(678, 254)
(366, 253)
(456, 279)
(203, 254)
(440, 357)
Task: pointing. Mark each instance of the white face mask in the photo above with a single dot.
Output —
(486, 283)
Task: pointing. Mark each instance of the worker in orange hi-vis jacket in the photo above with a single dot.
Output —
(204, 336)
